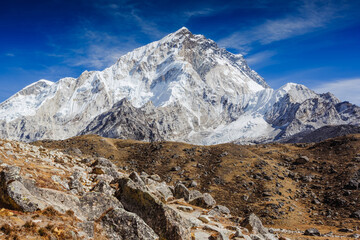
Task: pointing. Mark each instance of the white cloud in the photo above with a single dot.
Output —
(309, 17)
(345, 89)
(260, 58)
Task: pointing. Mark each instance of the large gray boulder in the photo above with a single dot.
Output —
(204, 201)
(254, 225)
(123, 225)
(13, 193)
(165, 221)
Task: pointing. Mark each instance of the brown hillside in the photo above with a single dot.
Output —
(290, 186)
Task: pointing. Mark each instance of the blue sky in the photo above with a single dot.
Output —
(312, 42)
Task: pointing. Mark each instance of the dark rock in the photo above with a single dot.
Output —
(355, 214)
(175, 169)
(347, 230)
(301, 160)
(312, 232)
(352, 185)
(193, 184)
(121, 224)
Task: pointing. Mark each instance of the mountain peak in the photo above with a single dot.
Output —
(182, 31)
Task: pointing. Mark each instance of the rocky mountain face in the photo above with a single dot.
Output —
(181, 88)
(73, 197)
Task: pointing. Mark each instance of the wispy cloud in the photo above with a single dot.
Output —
(345, 89)
(10, 54)
(260, 58)
(310, 16)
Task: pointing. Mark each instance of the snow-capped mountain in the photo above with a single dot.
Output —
(182, 87)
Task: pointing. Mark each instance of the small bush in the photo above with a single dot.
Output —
(50, 212)
(6, 229)
(70, 213)
(42, 232)
(29, 225)
(49, 227)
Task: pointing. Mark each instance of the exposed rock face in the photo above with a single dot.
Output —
(182, 87)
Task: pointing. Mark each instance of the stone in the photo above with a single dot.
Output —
(352, 185)
(121, 224)
(155, 177)
(103, 187)
(76, 185)
(204, 218)
(14, 195)
(254, 224)
(355, 214)
(205, 201)
(164, 191)
(103, 162)
(193, 184)
(219, 210)
(301, 160)
(58, 180)
(185, 208)
(93, 204)
(181, 191)
(165, 221)
(312, 232)
(175, 169)
(240, 235)
(136, 178)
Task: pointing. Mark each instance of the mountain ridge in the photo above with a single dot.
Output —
(217, 98)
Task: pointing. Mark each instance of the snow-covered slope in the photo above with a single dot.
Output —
(182, 87)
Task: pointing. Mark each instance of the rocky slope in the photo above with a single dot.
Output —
(291, 187)
(48, 194)
(181, 88)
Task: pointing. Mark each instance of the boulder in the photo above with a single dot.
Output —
(93, 204)
(14, 195)
(121, 224)
(181, 191)
(103, 187)
(165, 221)
(204, 201)
(301, 160)
(103, 162)
(355, 214)
(312, 232)
(254, 224)
(219, 210)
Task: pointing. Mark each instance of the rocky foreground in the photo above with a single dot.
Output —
(291, 187)
(47, 194)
